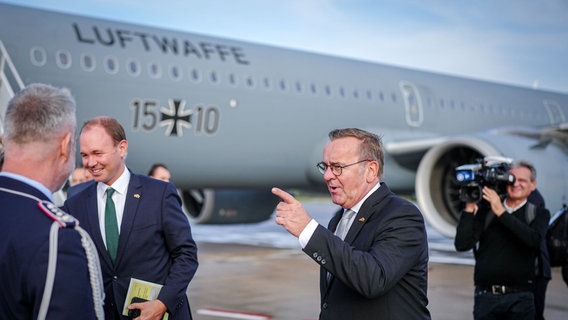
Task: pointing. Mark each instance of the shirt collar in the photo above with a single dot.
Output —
(358, 205)
(30, 182)
(120, 185)
(511, 210)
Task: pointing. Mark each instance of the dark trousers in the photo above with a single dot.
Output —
(540, 285)
(513, 306)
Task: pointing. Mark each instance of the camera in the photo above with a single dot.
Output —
(492, 172)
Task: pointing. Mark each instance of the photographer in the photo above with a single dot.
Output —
(505, 236)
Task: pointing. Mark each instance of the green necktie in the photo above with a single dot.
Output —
(111, 226)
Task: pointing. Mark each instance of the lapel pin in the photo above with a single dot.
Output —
(137, 196)
(362, 219)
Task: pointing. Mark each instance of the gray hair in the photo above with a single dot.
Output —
(371, 145)
(525, 164)
(39, 112)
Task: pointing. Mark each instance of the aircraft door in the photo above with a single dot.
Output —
(555, 114)
(412, 104)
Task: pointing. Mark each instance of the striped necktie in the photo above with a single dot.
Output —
(343, 226)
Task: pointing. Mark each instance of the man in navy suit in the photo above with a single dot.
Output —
(374, 254)
(39, 145)
(154, 237)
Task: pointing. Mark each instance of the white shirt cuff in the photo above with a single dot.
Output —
(307, 233)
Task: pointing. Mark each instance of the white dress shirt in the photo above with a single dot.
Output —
(119, 197)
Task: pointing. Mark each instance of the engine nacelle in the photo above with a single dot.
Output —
(228, 206)
(437, 190)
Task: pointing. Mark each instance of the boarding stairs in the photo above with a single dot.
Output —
(10, 82)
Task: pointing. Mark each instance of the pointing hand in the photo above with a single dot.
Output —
(290, 213)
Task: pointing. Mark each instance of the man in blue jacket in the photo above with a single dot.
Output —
(39, 146)
(137, 224)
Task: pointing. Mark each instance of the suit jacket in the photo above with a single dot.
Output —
(24, 253)
(380, 271)
(73, 190)
(155, 243)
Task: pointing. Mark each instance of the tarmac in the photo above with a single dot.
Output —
(237, 281)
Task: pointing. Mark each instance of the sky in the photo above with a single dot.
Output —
(518, 42)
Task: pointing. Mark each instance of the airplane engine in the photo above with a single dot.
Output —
(228, 206)
(437, 191)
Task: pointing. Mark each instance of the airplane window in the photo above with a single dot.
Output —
(175, 73)
(195, 75)
(502, 111)
(38, 56)
(356, 94)
(213, 77)
(341, 92)
(393, 97)
(462, 105)
(442, 104)
(63, 59)
(298, 87)
(382, 96)
(328, 91)
(233, 80)
(452, 104)
(369, 95)
(133, 68)
(155, 70)
(88, 62)
(111, 65)
(283, 85)
(313, 89)
(267, 83)
(249, 80)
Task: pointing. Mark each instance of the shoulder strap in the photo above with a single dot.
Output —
(530, 212)
(63, 219)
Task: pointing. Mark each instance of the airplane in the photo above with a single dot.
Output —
(231, 119)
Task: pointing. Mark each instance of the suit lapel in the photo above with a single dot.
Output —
(91, 208)
(368, 208)
(133, 196)
(332, 225)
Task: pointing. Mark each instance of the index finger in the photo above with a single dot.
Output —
(285, 196)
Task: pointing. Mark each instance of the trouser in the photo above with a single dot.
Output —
(513, 306)
(540, 285)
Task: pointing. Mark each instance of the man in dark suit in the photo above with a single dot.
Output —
(148, 237)
(373, 256)
(39, 145)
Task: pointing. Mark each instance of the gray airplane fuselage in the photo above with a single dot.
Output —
(226, 114)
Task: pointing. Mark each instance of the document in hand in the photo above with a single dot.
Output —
(142, 289)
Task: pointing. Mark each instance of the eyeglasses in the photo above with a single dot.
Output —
(335, 168)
